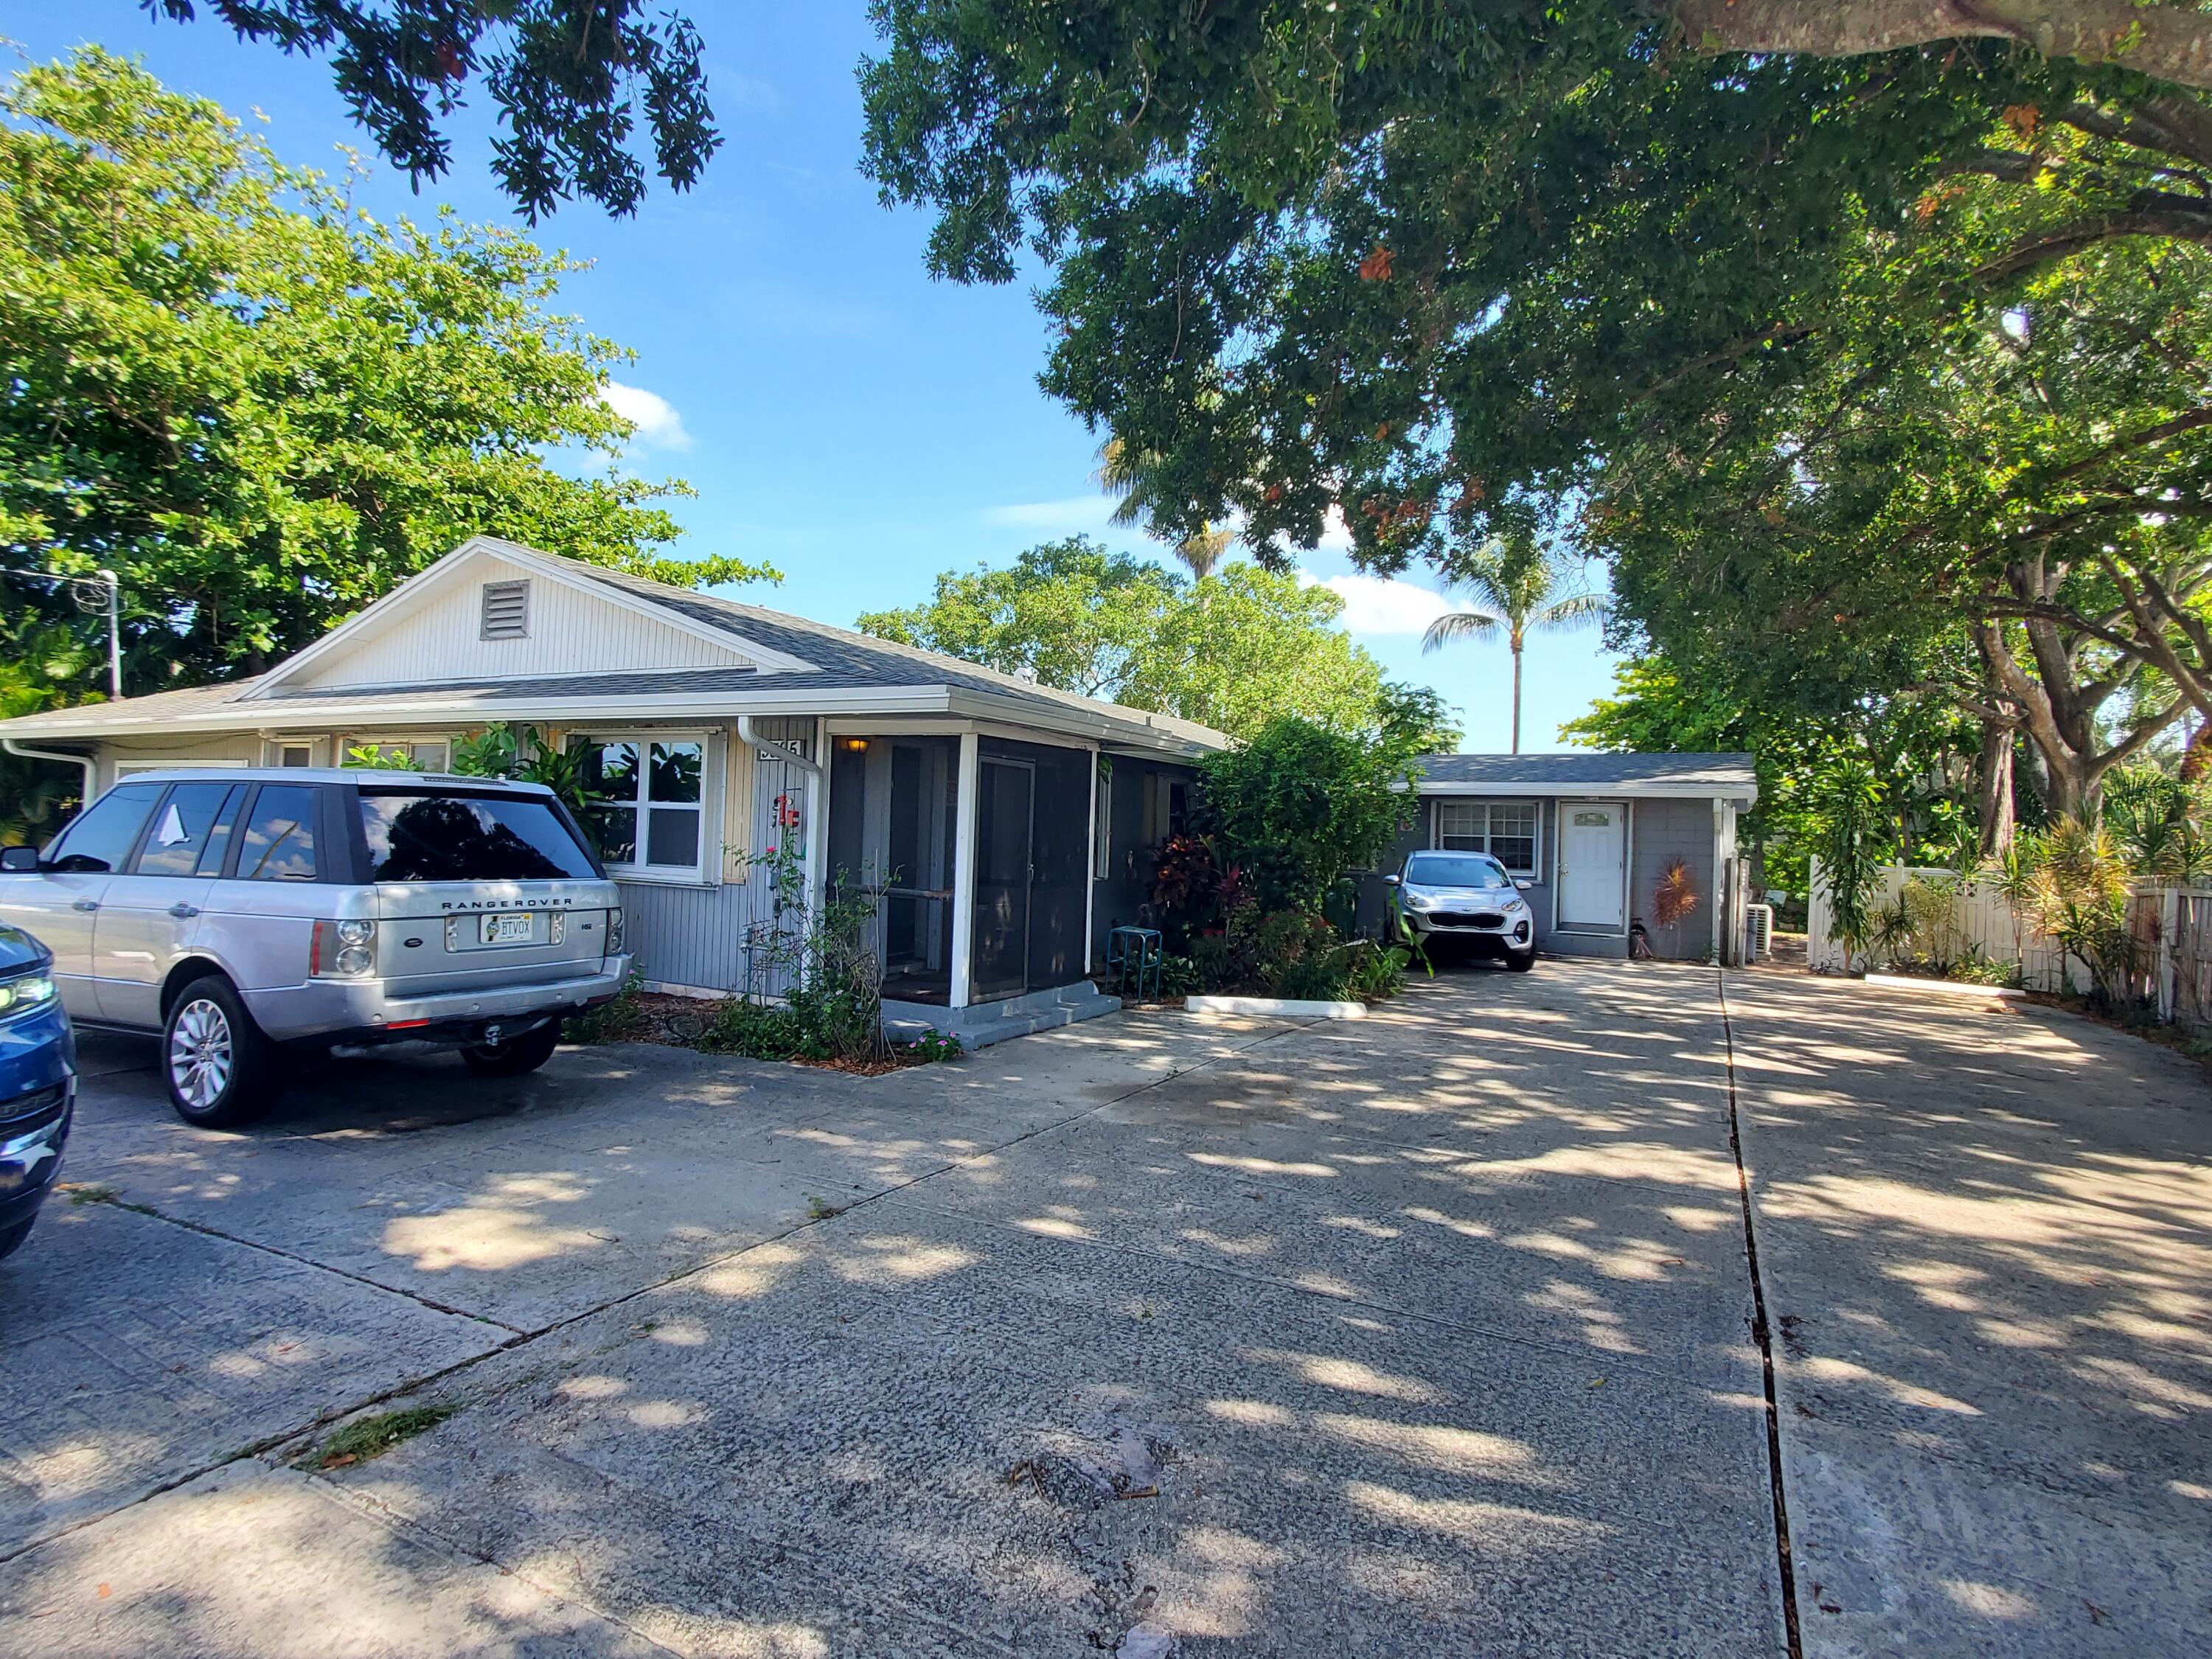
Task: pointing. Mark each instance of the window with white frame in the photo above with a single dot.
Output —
(1102, 825)
(1506, 829)
(649, 810)
(410, 754)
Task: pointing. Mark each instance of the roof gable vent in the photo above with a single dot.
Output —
(506, 611)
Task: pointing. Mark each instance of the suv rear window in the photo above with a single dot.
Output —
(438, 835)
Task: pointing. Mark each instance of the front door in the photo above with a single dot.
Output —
(1006, 803)
(1593, 866)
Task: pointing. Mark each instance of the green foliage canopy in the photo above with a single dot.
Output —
(1726, 284)
(1418, 264)
(1299, 808)
(1230, 650)
(263, 408)
(564, 77)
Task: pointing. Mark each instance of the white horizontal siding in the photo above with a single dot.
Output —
(571, 632)
(235, 748)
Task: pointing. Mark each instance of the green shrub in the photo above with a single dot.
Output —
(756, 1030)
(1372, 972)
(931, 1046)
(620, 1019)
(1300, 807)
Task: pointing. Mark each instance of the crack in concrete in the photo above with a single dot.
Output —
(1793, 1632)
(519, 1337)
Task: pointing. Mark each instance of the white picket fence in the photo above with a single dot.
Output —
(1986, 922)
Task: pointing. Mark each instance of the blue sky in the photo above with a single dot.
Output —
(841, 415)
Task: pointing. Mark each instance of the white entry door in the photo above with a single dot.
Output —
(1593, 864)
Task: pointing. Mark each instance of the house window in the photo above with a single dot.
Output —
(1167, 809)
(1102, 826)
(649, 810)
(506, 611)
(415, 754)
(1506, 829)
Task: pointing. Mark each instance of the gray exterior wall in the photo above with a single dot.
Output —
(1663, 830)
(1660, 830)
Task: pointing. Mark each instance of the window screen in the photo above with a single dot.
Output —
(648, 803)
(280, 834)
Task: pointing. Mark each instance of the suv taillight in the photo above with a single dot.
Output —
(615, 934)
(342, 950)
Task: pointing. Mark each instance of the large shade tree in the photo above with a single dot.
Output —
(567, 79)
(1448, 271)
(1231, 650)
(1407, 261)
(260, 407)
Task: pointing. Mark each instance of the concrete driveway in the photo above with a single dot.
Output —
(1432, 1333)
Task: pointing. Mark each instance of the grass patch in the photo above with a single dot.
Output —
(373, 1437)
(89, 1193)
(818, 1209)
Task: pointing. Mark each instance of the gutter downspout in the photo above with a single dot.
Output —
(1722, 899)
(87, 762)
(817, 832)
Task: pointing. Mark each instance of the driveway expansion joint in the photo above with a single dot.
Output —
(1762, 1333)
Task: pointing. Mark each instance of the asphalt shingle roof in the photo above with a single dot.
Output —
(840, 659)
(1591, 769)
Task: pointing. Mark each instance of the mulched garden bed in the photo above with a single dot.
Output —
(676, 1022)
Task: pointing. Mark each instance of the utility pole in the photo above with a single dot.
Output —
(114, 634)
(103, 590)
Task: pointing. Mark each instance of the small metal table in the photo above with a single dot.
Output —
(1138, 949)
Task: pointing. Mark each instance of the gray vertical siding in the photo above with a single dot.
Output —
(1660, 830)
(1664, 830)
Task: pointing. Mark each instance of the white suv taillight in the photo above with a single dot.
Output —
(342, 950)
(614, 933)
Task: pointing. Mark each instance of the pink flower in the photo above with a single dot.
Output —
(769, 854)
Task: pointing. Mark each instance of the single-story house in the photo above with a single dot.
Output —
(1592, 834)
(1001, 827)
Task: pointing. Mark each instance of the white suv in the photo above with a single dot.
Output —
(238, 913)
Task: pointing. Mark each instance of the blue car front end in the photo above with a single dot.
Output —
(38, 1083)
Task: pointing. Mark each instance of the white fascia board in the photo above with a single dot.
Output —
(475, 708)
(1097, 723)
(1587, 791)
(737, 644)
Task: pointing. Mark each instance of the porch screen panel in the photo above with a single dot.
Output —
(1059, 856)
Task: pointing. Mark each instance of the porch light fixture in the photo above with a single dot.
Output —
(856, 745)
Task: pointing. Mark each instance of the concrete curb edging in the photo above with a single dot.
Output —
(1287, 1007)
(1943, 987)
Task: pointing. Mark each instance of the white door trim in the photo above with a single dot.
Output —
(1562, 809)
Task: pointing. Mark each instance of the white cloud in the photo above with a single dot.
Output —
(1075, 513)
(655, 419)
(1377, 605)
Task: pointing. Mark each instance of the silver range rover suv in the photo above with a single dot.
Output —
(242, 913)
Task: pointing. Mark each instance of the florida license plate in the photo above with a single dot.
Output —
(507, 930)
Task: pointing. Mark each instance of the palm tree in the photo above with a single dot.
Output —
(1517, 586)
(1131, 474)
